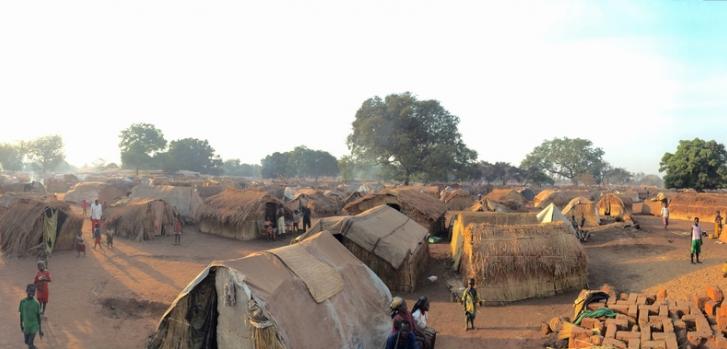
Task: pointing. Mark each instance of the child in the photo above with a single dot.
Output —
(42, 278)
(80, 245)
(109, 239)
(470, 301)
(696, 240)
(30, 323)
(97, 236)
(717, 226)
(177, 231)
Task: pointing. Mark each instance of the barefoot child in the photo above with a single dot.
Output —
(470, 301)
(177, 231)
(97, 236)
(30, 323)
(42, 278)
(80, 245)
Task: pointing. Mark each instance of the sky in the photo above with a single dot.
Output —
(255, 77)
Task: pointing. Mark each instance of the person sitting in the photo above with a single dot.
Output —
(400, 312)
(269, 230)
(401, 337)
(420, 314)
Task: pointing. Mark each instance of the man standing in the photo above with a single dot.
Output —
(42, 278)
(696, 240)
(665, 215)
(96, 213)
(717, 226)
(306, 218)
(30, 322)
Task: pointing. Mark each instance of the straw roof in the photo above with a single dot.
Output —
(236, 207)
(457, 199)
(581, 207)
(687, 205)
(421, 207)
(140, 219)
(614, 205)
(560, 197)
(508, 197)
(101, 191)
(184, 199)
(320, 204)
(517, 262)
(22, 226)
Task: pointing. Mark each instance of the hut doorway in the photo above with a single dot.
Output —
(395, 206)
(271, 210)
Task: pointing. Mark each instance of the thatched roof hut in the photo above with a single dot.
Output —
(612, 205)
(319, 204)
(393, 245)
(37, 227)
(422, 208)
(185, 200)
(29, 187)
(559, 197)
(457, 200)
(515, 262)
(460, 220)
(583, 210)
(140, 219)
(60, 184)
(101, 191)
(508, 197)
(314, 294)
(238, 214)
(687, 205)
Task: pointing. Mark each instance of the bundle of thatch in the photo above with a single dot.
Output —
(508, 197)
(319, 204)
(421, 207)
(515, 262)
(36, 227)
(101, 191)
(457, 199)
(185, 200)
(583, 210)
(238, 214)
(140, 219)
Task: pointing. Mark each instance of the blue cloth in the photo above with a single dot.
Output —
(405, 342)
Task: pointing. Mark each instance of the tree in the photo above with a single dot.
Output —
(568, 158)
(46, 152)
(696, 164)
(648, 179)
(616, 175)
(410, 136)
(535, 175)
(138, 144)
(275, 165)
(191, 154)
(11, 157)
(234, 167)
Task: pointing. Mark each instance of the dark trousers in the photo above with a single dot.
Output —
(29, 339)
(306, 224)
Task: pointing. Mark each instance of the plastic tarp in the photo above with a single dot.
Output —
(552, 213)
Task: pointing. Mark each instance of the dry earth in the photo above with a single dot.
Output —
(113, 299)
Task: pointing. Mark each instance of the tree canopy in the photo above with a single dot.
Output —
(696, 164)
(413, 137)
(46, 152)
(138, 144)
(191, 154)
(300, 162)
(569, 158)
(617, 175)
(234, 167)
(11, 157)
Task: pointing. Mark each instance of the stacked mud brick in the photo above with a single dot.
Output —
(653, 322)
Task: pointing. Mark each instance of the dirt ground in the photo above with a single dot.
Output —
(113, 299)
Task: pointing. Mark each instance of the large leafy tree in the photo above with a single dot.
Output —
(413, 137)
(696, 164)
(569, 158)
(300, 162)
(46, 152)
(617, 175)
(11, 157)
(234, 167)
(191, 154)
(276, 165)
(535, 175)
(138, 144)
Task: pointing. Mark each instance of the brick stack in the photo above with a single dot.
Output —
(654, 322)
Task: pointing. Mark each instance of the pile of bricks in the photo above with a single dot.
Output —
(651, 322)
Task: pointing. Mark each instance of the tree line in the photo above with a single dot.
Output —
(43, 155)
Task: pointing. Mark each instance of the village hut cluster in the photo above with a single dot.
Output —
(366, 241)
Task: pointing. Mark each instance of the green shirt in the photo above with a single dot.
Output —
(30, 315)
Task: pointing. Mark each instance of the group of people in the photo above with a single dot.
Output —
(697, 233)
(278, 225)
(32, 308)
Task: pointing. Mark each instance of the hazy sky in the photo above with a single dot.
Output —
(255, 77)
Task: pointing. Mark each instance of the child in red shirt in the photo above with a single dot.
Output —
(42, 278)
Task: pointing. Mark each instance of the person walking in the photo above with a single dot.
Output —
(177, 231)
(696, 240)
(80, 245)
(717, 226)
(470, 300)
(42, 278)
(665, 215)
(97, 236)
(30, 322)
(96, 213)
